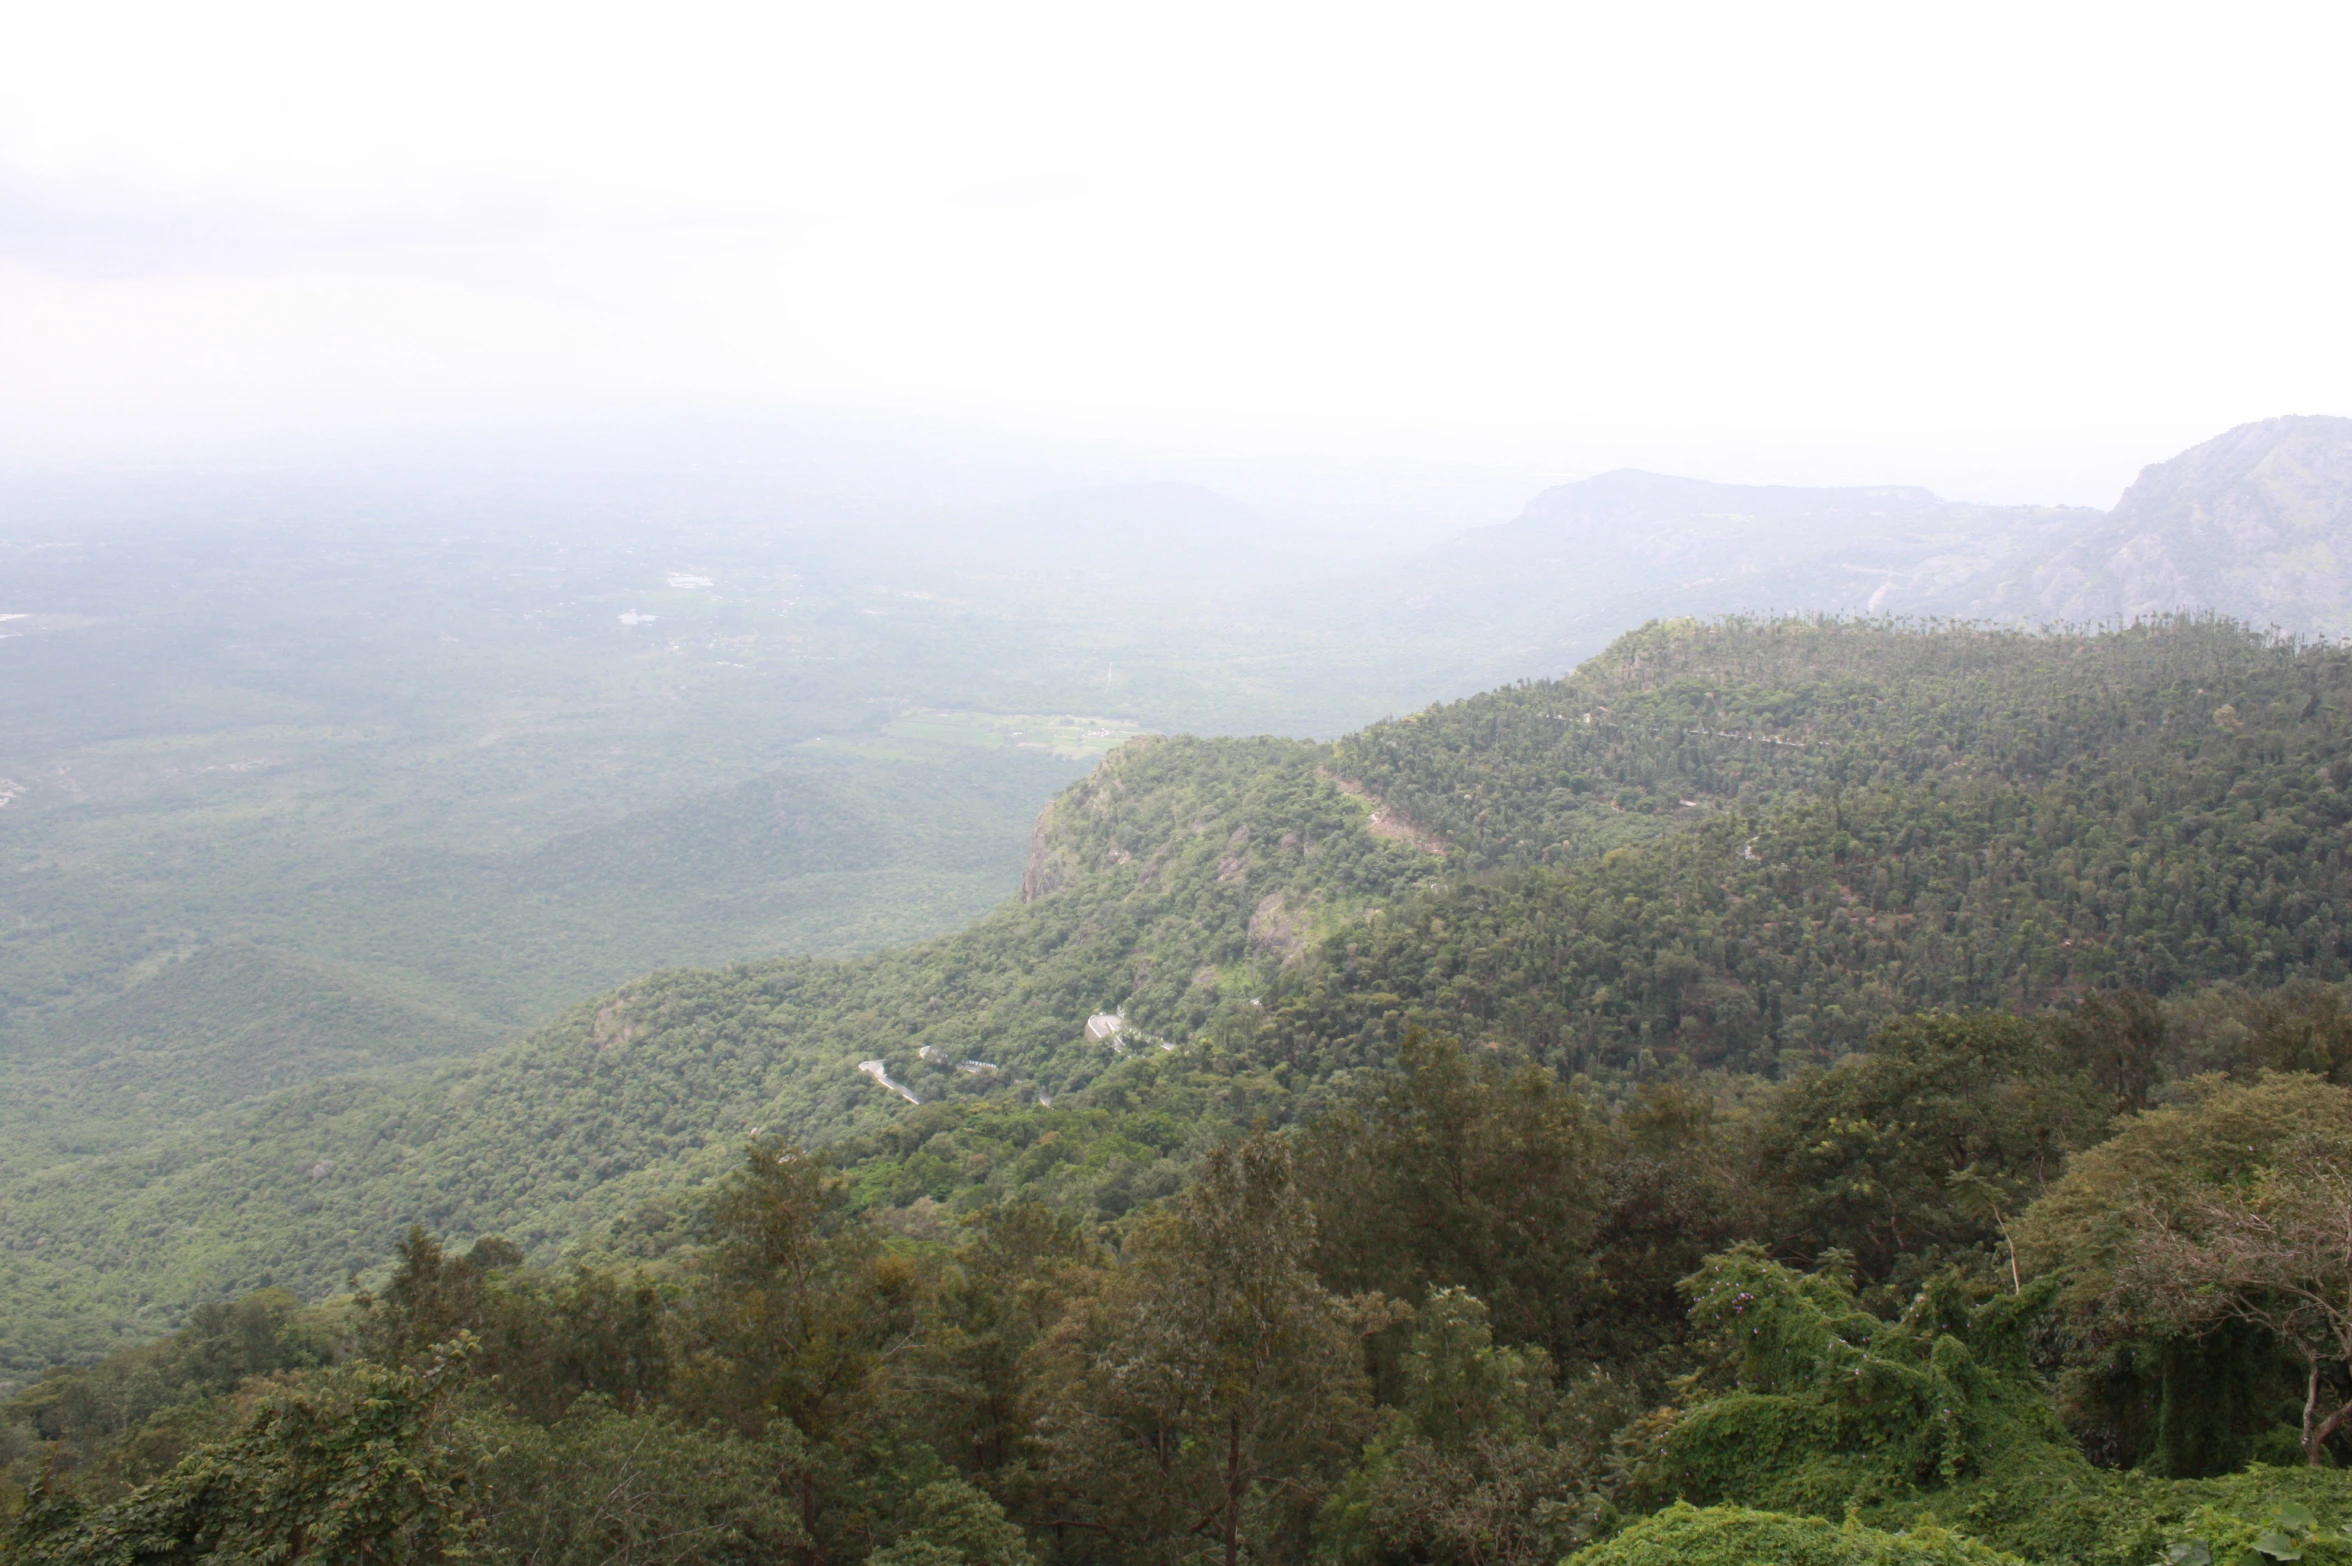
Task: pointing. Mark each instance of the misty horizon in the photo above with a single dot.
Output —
(1829, 250)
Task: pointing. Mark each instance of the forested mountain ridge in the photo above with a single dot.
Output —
(1967, 818)
(1770, 839)
(2193, 714)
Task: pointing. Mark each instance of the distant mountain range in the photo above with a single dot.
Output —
(1306, 628)
(2256, 524)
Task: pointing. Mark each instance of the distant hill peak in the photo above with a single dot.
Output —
(2297, 462)
(2256, 522)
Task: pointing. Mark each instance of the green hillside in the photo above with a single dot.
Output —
(273, 963)
(625, 1098)
(443, 762)
(1769, 840)
(1851, 823)
(1791, 1092)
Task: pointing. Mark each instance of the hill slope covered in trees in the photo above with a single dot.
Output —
(1737, 849)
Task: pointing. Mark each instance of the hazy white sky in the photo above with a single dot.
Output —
(2009, 249)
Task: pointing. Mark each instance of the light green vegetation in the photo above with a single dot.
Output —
(1685, 1535)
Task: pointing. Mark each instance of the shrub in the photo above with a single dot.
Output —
(1686, 1535)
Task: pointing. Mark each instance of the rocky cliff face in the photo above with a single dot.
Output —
(1053, 862)
(2256, 523)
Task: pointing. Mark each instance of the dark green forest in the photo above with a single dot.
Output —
(1791, 1090)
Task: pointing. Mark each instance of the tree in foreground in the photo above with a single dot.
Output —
(2274, 1250)
(1207, 1393)
(2177, 1370)
(1483, 1462)
(1458, 1172)
(956, 1523)
(788, 1331)
(1684, 1535)
(600, 1487)
(352, 1470)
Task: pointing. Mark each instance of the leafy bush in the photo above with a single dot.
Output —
(1809, 1405)
(1685, 1535)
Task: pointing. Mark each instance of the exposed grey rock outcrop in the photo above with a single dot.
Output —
(2256, 523)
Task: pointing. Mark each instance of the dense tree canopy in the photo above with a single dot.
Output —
(1922, 1144)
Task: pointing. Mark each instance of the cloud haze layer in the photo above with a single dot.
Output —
(1963, 238)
